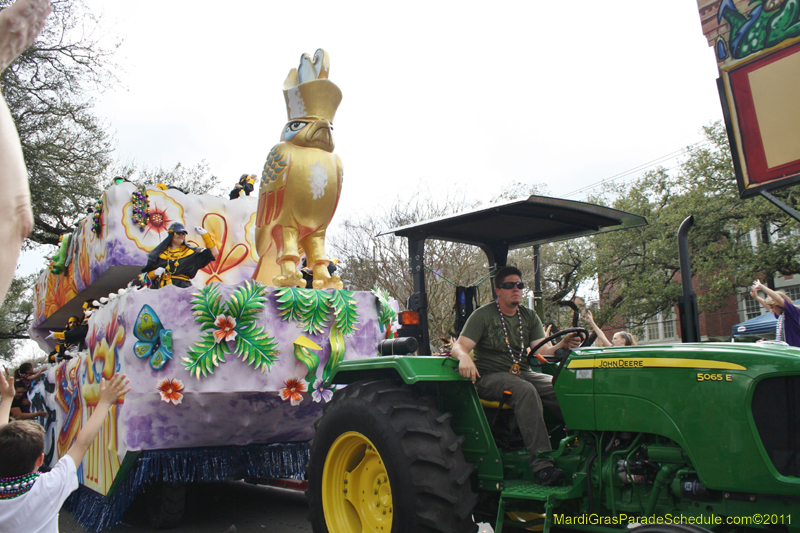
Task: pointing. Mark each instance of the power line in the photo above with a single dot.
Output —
(638, 169)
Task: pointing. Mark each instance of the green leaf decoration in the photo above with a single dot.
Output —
(316, 305)
(308, 358)
(256, 347)
(290, 305)
(386, 314)
(252, 343)
(337, 352)
(204, 356)
(207, 306)
(345, 311)
(245, 302)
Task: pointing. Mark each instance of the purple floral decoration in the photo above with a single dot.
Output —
(321, 392)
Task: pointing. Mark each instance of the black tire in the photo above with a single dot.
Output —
(165, 504)
(398, 456)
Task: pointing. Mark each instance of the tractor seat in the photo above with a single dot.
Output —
(494, 405)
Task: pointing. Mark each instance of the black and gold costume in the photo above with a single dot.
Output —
(180, 265)
(246, 183)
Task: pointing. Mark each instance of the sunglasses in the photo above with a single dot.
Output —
(508, 285)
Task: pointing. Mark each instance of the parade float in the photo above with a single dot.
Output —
(226, 375)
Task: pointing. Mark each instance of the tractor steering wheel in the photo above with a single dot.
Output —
(562, 354)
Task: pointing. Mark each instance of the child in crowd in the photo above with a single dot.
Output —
(24, 375)
(29, 500)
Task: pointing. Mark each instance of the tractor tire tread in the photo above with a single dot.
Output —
(428, 473)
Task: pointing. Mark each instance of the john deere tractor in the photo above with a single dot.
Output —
(673, 438)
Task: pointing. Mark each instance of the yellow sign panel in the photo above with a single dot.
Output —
(774, 89)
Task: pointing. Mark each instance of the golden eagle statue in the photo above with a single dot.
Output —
(301, 182)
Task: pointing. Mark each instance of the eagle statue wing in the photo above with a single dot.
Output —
(273, 183)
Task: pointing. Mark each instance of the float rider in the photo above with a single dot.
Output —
(76, 334)
(173, 262)
(245, 184)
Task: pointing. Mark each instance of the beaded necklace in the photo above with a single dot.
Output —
(515, 359)
(779, 327)
(12, 487)
(172, 255)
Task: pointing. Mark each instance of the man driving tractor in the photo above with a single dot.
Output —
(501, 333)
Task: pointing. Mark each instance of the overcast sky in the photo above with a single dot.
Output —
(459, 95)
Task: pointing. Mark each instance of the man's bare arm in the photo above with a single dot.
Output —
(466, 366)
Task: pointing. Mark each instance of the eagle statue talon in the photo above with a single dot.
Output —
(333, 282)
(292, 279)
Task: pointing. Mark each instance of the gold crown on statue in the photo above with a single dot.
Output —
(308, 91)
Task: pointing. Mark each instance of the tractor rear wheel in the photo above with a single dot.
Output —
(385, 459)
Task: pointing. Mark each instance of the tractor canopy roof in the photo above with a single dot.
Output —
(521, 223)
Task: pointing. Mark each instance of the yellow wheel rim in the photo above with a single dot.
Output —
(356, 495)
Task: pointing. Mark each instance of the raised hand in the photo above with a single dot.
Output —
(114, 389)
(6, 386)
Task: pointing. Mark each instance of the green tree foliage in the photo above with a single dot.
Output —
(48, 89)
(638, 270)
(16, 314)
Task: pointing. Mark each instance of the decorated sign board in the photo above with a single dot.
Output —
(757, 46)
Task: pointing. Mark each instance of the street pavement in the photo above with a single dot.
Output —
(230, 507)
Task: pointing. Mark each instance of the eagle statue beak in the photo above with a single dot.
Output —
(319, 135)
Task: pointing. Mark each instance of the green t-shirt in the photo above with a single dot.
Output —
(491, 352)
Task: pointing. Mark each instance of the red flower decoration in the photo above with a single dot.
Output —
(294, 389)
(170, 390)
(225, 332)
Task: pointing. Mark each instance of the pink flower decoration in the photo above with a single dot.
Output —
(225, 332)
(170, 390)
(294, 389)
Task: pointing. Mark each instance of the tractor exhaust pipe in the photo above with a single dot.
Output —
(687, 304)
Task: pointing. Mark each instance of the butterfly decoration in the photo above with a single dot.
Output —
(154, 341)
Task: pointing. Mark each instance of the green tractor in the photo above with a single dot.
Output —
(673, 438)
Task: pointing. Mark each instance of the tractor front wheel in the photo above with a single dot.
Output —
(384, 459)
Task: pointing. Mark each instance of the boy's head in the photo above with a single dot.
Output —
(21, 448)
